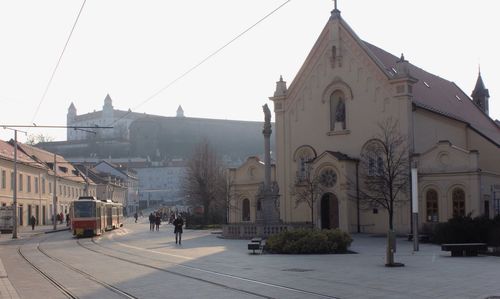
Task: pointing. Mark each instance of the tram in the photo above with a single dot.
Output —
(91, 217)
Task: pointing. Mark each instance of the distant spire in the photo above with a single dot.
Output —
(180, 112)
(108, 99)
(479, 84)
(480, 94)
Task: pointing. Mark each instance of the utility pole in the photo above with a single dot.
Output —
(14, 192)
(86, 180)
(54, 197)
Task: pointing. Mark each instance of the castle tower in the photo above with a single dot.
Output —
(180, 112)
(107, 118)
(108, 104)
(70, 120)
(480, 95)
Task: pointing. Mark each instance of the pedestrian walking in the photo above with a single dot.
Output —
(151, 222)
(32, 222)
(61, 218)
(67, 219)
(135, 216)
(178, 223)
(157, 221)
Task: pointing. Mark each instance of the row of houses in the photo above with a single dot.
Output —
(41, 174)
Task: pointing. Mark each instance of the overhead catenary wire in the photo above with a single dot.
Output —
(58, 62)
(201, 62)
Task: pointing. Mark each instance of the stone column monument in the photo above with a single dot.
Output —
(269, 193)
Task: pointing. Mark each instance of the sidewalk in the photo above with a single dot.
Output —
(23, 232)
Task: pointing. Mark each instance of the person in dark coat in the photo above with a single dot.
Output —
(135, 216)
(157, 221)
(178, 223)
(32, 222)
(151, 222)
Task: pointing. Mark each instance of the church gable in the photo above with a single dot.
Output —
(340, 86)
(250, 172)
(445, 157)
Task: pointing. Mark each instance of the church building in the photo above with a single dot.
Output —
(330, 115)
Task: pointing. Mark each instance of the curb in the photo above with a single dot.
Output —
(57, 230)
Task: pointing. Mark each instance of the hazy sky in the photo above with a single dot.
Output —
(131, 49)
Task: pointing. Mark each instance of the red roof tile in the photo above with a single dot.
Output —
(7, 152)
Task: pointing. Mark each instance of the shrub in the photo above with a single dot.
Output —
(468, 230)
(306, 241)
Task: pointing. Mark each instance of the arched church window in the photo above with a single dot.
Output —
(303, 156)
(372, 159)
(337, 111)
(458, 199)
(431, 205)
(245, 210)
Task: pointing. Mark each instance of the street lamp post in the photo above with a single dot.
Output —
(54, 196)
(14, 191)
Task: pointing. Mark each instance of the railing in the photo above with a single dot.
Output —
(251, 230)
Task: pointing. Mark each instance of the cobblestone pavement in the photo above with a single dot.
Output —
(205, 258)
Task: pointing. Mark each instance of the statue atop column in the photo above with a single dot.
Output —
(269, 193)
(267, 120)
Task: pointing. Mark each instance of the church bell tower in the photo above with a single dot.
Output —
(480, 95)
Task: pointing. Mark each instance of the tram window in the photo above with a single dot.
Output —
(84, 209)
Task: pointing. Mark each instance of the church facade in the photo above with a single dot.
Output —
(330, 114)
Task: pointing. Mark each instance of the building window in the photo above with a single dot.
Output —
(337, 111)
(50, 187)
(458, 198)
(20, 183)
(246, 210)
(11, 181)
(28, 183)
(4, 180)
(431, 202)
(43, 185)
(303, 156)
(328, 178)
(303, 171)
(36, 185)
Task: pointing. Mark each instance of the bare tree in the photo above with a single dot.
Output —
(384, 175)
(205, 183)
(307, 189)
(34, 139)
(384, 168)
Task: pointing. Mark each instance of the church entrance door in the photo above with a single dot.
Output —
(329, 211)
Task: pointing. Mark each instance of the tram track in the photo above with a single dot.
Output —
(48, 277)
(211, 272)
(59, 285)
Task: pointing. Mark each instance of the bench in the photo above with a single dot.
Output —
(255, 244)
(461, 249)
(421, 237)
